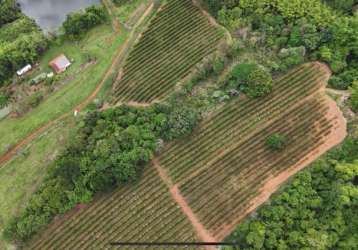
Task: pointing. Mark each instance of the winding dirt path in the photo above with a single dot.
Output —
(202, 233)
(336, 136)
(119, 55)
(116, 26)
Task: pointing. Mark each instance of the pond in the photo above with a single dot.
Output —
(50, 14)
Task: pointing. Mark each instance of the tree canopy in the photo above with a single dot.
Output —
(78, 23)
(255, 80)
(109, 149)
(323, 29)
(317, 210)
(9, 11)
(21, 42)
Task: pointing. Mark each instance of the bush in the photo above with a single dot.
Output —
(230, 18)
(276, 141)
(78, 23)
(242, 71)
(259, 83)
(255, 80)
(218, 65)
(291, 57)
(337, 83)
(354, 96)
(3, 100)
(34, 100)
(109, 149)
(181, 121)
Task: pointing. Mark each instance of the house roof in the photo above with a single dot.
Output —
(60, 63)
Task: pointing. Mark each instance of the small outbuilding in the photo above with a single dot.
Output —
(60, 64)
(24, 70)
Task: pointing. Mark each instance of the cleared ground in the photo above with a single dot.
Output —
(177, 38)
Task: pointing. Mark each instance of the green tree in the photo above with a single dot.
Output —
(354, 96)
(276, 141)
(9, 11)
(255, 80)
(76, 24)
(316, 210)
(259, 82)
(181, 122)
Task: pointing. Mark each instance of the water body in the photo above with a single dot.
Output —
(50, 14)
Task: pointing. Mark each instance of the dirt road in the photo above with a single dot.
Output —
(272, 185)
(116, 60)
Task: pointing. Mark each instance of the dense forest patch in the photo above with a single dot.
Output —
(318, 209)
(21, 40)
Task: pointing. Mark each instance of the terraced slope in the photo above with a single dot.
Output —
(223, 167)
(141, 212)
(178, 37)
(200, 187)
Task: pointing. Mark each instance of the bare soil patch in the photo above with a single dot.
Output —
(202, 233)
(336, 136)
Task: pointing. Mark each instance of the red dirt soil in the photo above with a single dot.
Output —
(13, 151)
(202, 233)
(334, 138)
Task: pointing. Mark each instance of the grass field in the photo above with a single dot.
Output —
(177, 38)
(140, 212)
(21, 176)
(97, 43)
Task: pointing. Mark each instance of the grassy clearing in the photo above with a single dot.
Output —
(21, 176)
(100, 43)
(129, 13)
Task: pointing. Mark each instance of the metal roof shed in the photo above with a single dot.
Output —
(60, 63)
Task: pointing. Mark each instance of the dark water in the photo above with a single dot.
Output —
(50, 14)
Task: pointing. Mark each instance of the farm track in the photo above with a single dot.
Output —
(223, 186)
(201, 187)
(120, 55)
(221, 169)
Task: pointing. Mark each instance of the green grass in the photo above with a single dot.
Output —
(124, 12)
(21, 176)
(97, 44)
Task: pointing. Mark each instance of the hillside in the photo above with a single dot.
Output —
(226, 153)
(184, 121)
(179, 37)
